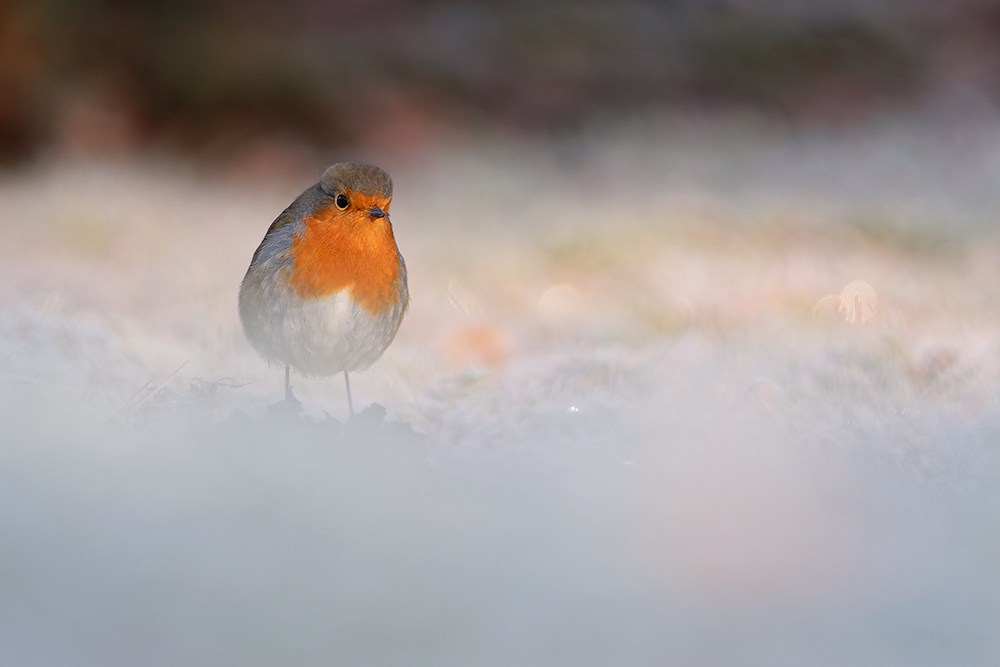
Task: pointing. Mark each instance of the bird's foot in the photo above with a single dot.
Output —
(290, 407)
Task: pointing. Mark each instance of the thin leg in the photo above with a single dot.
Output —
(350, 404)
(288, 389)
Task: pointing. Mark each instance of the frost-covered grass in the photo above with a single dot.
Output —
(629, 422)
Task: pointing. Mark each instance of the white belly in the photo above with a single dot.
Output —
(319, 336)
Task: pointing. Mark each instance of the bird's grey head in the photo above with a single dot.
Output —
(356, 177)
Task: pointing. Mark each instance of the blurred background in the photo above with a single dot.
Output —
(701, 366)
(220, 80)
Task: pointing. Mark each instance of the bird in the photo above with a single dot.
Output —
(326, 289)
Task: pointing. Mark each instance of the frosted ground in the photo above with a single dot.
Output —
(666, 395)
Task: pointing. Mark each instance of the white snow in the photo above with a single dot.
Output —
(644, 431)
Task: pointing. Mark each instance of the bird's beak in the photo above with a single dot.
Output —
(376, 212)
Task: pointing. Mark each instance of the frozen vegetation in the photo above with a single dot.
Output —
(666, 395)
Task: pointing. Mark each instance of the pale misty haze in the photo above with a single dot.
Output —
(707, 379)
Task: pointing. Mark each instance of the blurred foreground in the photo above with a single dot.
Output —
(674, 394)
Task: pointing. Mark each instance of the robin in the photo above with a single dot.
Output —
(326, 290)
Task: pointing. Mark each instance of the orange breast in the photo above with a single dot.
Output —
(349, 250)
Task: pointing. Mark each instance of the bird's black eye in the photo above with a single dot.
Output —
(341, 202)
